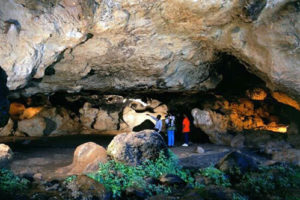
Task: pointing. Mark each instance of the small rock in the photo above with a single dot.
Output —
(37, 176)
(170, 179)
(135, 193)
(200, 150)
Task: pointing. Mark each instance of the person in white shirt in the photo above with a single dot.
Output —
(158, 124)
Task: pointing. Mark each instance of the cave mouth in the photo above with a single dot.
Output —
(241, 98)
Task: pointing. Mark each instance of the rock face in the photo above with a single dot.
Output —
(4, 104)
(134, 148)
(6, 154)
(104, 45)
(49, 122)
(86, 159)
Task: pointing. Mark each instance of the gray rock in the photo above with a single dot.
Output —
(135, 148)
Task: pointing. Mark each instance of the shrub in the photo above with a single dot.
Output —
(117, 176)
(11, 184)
(218, 177)
(277, 181)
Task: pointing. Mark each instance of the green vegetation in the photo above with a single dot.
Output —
(117, 176)
(218, 177)
(70, 179)
(10, 184)
(276, 181)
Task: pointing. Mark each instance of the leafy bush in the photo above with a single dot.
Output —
(9, 183)
(218, 177)
(70, 179)
(117, 176)
(273, 181)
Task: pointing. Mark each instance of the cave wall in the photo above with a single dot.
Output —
(113, 45)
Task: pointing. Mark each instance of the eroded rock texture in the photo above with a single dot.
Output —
(114, 45)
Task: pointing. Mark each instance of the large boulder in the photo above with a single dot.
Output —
(234, 160)
(135, 148)
(6, 155)
(86, 159)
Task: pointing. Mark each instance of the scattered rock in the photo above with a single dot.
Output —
(6, 155)
(218, 192)
(86, 159)
(86, 188)
(171, 180)
(236, 160)
(200, 150)
(134, 148)
(38, 177)
(135, 193)
(193, 194)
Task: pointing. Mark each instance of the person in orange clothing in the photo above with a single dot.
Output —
(186, 130)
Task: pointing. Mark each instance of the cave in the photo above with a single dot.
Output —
(87, 89)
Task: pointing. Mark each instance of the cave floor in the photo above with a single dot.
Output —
(46, 155)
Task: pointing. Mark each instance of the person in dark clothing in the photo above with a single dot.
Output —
(4, 103)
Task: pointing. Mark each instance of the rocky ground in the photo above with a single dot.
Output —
(44, 157)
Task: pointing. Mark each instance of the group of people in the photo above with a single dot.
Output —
(171, 128)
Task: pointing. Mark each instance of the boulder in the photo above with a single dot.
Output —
(86, 159)
(135, 148)
(171, 180)
(6, 155)
(234, 160)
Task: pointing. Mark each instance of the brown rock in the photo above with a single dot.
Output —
(86, 159)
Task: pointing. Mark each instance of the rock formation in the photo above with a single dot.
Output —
(135, 148)
(112, 45)
(86, 159)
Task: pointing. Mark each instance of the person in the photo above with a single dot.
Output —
(158, 124)
(170, 123)
(186, 130)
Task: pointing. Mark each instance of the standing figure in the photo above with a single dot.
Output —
(186, 130)
(158, 124)
(170, 122)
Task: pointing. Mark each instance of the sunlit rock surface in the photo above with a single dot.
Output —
(86, 159)
(114, 45)
(6, 154)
